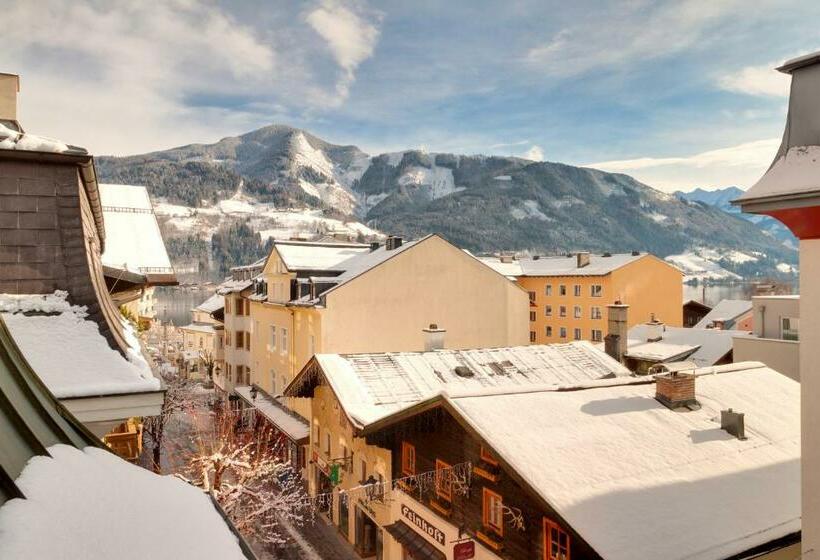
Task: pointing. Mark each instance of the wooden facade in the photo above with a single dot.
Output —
(527, 522)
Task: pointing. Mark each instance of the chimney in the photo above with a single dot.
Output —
(582, 259)
(506, 258)
(616, 338)
(374, 246)
(733, 422)
(9, 88)
(654, 329)
(676, 390)
(393, 242)
(433, 338)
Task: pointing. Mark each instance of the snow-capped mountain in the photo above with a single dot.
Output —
(284, 180)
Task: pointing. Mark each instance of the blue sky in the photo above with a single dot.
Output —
(679, 94)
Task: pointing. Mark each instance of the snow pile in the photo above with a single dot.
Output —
(503, 178)
(786, 268)
(92, 505)
(740, 258)
(13, 140)
(658, 218)
(76, 361)
(794, 172)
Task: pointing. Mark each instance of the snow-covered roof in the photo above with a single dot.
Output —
(561, 265)
(640, 482)
(306, 255)
(727, 310)
(133, 240)
(211, 304)
(371, 386)
(711, 344)
(13, 140)
(199, 327)
(91, 504)
(658, 351)
(67, 351)
(365, 260)
(293, 426)
(233, 286)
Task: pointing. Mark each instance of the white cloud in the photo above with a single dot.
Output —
(535, 153)
(509, 144)
(757, 80)
(739, 165)
(636, 31)
(350, 33)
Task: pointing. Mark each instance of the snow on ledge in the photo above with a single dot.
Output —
(91, 504)
(13, 140)
(67, 350)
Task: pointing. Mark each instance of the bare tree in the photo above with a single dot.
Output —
(243, 467)
(178, 399)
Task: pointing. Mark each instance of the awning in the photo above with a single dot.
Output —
(415, 543)
(287, 422)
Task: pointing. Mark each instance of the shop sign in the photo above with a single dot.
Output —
(422, 525)
(464, 550)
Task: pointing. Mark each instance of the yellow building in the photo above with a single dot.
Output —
(569, 294)
(336, 297)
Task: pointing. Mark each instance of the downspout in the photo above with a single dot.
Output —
(762, 321)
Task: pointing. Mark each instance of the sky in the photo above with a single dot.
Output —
(678, 94)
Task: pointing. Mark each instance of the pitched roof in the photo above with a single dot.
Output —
(133, 239)
(599, 265)
(371, 386)
(308, 255)
(640, 482)
(727, 310)
(211, 304)
(711, 344)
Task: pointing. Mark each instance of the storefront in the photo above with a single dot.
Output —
(368, 542)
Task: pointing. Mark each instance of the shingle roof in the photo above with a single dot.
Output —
(370, 386)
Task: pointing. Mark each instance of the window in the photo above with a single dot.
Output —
(532, 315)
(577, 311)
(548, 311)
(597, 335)
(577, 290)
(227, 338)
(240, 372)
(789, 328)
(284, 340)
(247, 306)
(596, 290)
(408, 458)
(548, 290)
(201, 342)
(577, 334)
(556, 542)
(327, 444)
(563, 332)
(532, 336)
(532, 296)
(229, 372)
(562, 290)
(595, 312)
(444, 482)
(247, 341)
(364, 470)
(548, 331)
(240, 339)
(492, 514)
(273, 337)
(487, 456)
(240, 307)
(227, 306)
(562, 311)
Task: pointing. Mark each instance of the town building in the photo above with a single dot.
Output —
(693, 312)
(342, 297)
(238, 327)
(729, 314)
(569, 294)
(790, 192)
(432, 454)
(774, 340)
(202, 354)
(347, 393)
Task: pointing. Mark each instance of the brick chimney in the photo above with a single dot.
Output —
(393, 242)
(676, 390)
(582, 259)
(9, 88)
(433, 338)
(615, 342)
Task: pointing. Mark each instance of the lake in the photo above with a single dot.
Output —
(175, 304)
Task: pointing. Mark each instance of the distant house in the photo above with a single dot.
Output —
(775, 338)
(693, 312)
(728, 314)
(569, 294)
